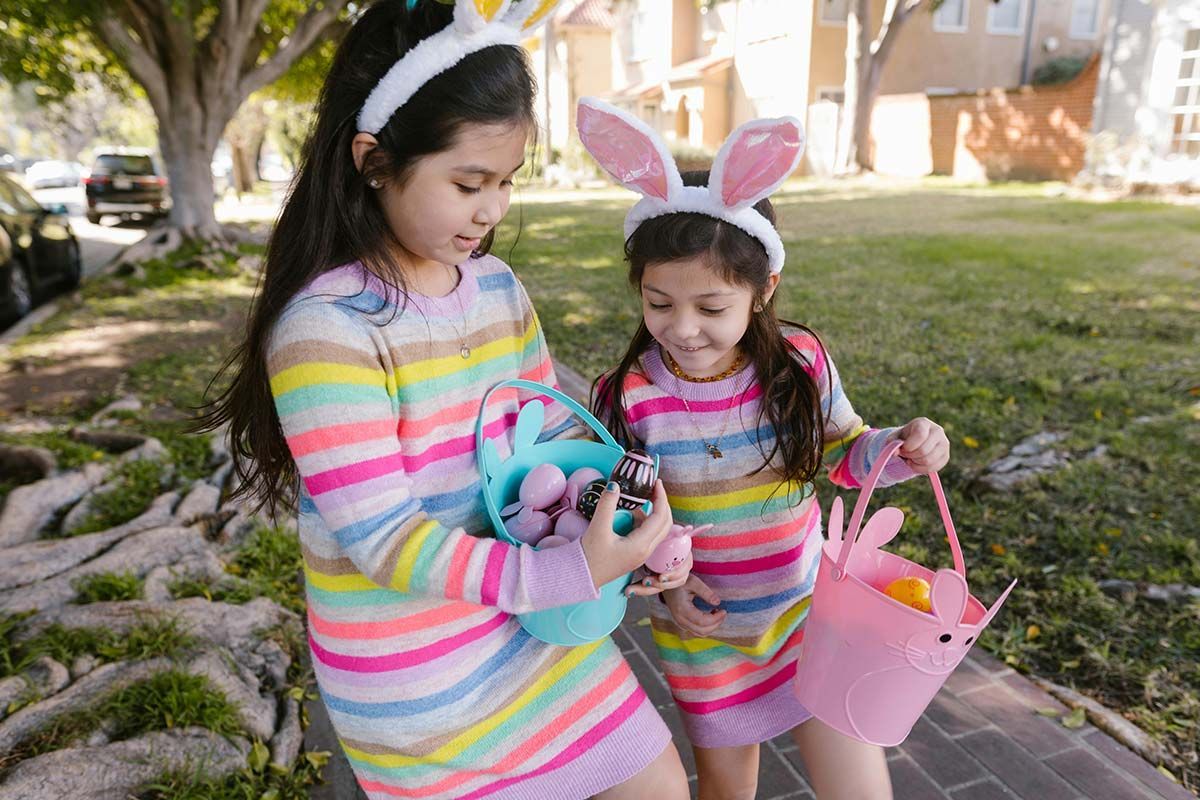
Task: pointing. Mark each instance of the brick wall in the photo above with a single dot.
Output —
(1030, 133)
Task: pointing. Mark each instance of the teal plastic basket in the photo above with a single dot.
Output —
(578, 623)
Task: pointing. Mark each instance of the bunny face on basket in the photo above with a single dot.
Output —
(938, 648)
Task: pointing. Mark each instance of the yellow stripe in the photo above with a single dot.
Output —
(709, 502)
(440, 367)
(847, 439)
(312, 373)
(340, 583)
(409, 554)
(468, 737)
(772, 634)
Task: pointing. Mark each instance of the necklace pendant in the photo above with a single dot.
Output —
(714, 451)
(465, 352)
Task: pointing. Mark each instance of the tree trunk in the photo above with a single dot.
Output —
(858, 56)
(864, 152)
(188, 152)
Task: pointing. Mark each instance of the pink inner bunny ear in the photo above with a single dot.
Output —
(948, 596)
(623, 150)
(757, 158)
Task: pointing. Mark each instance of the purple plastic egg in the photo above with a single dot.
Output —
(542, 486)
(552, 541)
(571, 524)
(528, 526)
(583, 476)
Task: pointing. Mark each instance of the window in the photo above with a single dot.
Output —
(640, 33)
(1085, 17)
(831, 94)
(834, 12)
(1185, 112)
(1006, 16)
(123, 165)
(951, 17)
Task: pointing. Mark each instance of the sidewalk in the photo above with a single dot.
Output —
(982, 738)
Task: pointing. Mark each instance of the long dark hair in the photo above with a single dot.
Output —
(791, 399)
(332, 217)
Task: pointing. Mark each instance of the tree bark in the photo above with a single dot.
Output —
(195, 87)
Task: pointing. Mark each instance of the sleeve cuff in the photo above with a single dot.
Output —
(557, 576)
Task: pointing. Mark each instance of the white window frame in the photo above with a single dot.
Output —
(828, 90)
(826, 22)
(1190, 110)
(1019, 30)
(639, 31)
(964, 16)
(1085, 35)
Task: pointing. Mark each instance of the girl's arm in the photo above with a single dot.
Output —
(339, 410)
(851, 446)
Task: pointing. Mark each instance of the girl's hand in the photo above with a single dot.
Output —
(680, 602)
(651, 583)
(609, 555)
(925, 448)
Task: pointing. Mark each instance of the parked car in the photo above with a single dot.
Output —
(51, 174)
(126, 182)
(38, 251)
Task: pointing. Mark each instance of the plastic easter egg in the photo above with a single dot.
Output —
(571, 525)
(911, 591)
(590, 497)
(542, 486)
(671, 552)
(635, 473)
(552, 540)
(528, 526)
(583, 476)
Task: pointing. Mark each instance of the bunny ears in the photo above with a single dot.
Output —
(477, 24)
(752, 163)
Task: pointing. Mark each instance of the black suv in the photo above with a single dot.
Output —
(126, 182)
(38, 251)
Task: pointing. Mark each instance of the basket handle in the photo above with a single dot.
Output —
(864, 499)
(547, 391)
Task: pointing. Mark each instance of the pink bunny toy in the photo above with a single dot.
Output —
(674, 550)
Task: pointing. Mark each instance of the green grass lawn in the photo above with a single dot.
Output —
(999, 312)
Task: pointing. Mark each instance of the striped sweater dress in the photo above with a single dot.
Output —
(761, 556)
(433, 687)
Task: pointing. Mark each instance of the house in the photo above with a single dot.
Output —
(1147, 112)
(696, 70)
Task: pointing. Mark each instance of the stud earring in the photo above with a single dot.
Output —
(373, 183)
(757, 307)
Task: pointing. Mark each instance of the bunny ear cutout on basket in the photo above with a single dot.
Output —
(948, 596)
(627, 149)
(882, 527)
(755, 160)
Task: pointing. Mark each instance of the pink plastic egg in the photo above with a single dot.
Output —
(528, 526)
(571, 524)
(552, 541)
(583, 476)
(542, 486)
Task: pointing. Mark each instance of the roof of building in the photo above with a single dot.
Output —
(592, 14)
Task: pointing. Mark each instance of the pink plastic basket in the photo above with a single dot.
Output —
(870, 665)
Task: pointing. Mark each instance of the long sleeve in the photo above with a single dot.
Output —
(851, 446)
(338, 405)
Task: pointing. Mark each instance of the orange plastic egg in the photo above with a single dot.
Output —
(911, 591)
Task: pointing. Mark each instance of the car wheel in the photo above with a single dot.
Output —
(93, 217)
(22, 294)
(74, 269)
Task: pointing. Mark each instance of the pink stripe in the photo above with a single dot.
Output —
(757, 537)
(408, 658)
(359, 471)
(707, 707)
(458, 566)
(750, 564)
(414, 428)
(457, 447)
(575, 749)
(667, 404)
(341, 435)
(383, 629)
(490, 590)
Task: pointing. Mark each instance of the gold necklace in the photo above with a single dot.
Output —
(713, 448)
(463, 349)
(679, 373)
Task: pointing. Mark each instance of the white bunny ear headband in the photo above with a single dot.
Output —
(477, 24)
(752, 163)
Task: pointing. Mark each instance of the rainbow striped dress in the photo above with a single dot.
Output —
(761, 556)
(433, 687)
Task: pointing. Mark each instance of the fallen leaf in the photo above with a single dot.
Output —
(999, 549)
(1032, 632)
(1076, 719)
(971, 442)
